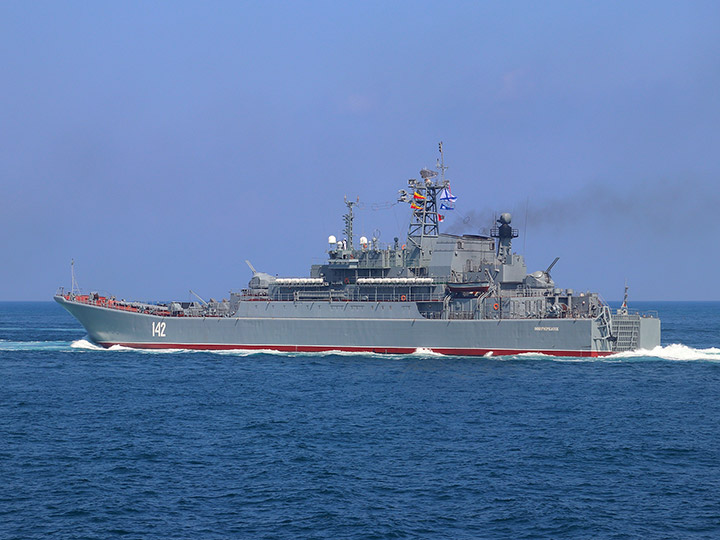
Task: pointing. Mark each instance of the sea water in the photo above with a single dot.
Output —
(175, 444)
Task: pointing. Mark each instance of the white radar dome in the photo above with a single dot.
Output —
(332, 239)
(363, 240)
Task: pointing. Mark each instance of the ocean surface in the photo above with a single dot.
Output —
(136, 444)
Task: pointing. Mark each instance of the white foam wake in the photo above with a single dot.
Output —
(675, 351)
(424, 351)
(85, 344)
(7, 345)
(148, 351)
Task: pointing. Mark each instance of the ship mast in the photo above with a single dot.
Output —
(441, 163)
(423, 198)
(348, 218)
(73, 282)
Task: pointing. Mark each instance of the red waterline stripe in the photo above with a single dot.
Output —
(381, 350)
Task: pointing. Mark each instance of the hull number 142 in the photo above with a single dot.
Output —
(158, 329)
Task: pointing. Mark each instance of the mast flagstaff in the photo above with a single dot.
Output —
(441, 163)
(73, 284)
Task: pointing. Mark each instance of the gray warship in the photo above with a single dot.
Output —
(450, 294)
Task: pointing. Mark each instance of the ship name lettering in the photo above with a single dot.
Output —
(158, 329)
(547, 329)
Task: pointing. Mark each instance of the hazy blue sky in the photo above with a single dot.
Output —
(160, 144)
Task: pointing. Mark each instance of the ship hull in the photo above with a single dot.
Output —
(393, 328)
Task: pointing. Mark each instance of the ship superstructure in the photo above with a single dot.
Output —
(452, 294)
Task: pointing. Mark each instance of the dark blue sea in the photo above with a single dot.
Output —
(132, 444)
